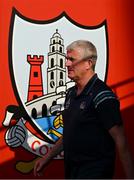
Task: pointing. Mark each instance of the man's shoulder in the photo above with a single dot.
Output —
(102, 93)
(101, 86)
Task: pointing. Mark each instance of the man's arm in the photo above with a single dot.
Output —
(42, 162)
(118, 135)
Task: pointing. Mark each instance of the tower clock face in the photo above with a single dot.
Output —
(52, 84)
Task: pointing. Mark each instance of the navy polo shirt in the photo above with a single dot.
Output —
(87, 119)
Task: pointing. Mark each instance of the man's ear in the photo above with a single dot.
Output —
(88, 65)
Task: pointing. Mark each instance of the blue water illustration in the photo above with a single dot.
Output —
(46, 123)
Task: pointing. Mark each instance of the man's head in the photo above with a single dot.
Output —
(81, 59)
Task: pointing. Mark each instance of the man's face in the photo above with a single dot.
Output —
(76, 67)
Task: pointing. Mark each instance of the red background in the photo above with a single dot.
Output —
(119, 15)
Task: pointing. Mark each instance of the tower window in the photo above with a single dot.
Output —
(61, 83)
(53, 41)
(52, 84)
(35, 96)
(61, 49)
(35, 74)
(53, 48)
(59, 41)
(52, 62)
(52, 75)
(61, 63)
(61, 75)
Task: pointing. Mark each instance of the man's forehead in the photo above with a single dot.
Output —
(70, 52)
(77, 52)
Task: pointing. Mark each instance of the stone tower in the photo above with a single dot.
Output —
(56, 63)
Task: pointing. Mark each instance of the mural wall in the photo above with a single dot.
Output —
(34, 35)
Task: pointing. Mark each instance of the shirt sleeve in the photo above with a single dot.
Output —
(108, 110)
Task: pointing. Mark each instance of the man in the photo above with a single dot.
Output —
(92, 122)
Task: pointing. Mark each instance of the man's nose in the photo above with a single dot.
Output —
(68, 63)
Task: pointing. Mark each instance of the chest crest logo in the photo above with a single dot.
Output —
(83, 105)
